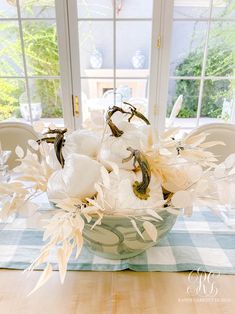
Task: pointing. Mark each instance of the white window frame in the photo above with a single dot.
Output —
(160, 62)
(65, 61)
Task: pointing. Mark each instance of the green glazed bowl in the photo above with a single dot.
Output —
(116, 238)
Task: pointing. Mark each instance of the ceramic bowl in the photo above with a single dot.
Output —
(116, 238)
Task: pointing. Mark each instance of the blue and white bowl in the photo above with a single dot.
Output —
(116, 238)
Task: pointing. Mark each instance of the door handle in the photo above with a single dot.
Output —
(75, 101)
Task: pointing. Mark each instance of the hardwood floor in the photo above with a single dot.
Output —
(112, 293)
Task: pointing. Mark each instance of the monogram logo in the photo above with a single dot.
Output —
(202, 284)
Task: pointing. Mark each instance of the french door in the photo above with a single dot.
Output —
(110, 52)
(117, 50)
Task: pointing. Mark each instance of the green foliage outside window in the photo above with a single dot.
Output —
(9, 97)
(40, 43)
(41, 48)
(219, 60)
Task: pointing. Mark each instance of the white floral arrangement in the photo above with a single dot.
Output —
(117, 166)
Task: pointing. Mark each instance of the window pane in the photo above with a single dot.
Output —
(187, 48)
(7, 9)
(40, 40)
(10, 93)
(191, 9)
(188, 112)
(134, 9)
(97, 96)
(38, 8)
(96, 88)
(136, 54)
(221, 49)
(223, 9)
(217, 101)
(11, 63)
(95, 9)
(46, 101)
(96, 47)
(104, 9)
(132, 88)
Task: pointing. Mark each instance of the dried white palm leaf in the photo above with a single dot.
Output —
(39, 126)
(170, 133)
(136, 228)
(230, 161)
(63, 255)
(180, 177)
(175, 111)
(211, 144)
(33, 144)
(182, 199)
(19, 152)
(151, 230)
(195, 140)
(46, 274)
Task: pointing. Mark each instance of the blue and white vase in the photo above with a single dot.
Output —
(138, 60)
(96, 59)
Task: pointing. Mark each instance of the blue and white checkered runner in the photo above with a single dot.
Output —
(202, 240)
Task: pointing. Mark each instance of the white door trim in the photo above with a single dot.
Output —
(64, 59)
(160, 61)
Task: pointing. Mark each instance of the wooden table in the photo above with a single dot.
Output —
(111, 293)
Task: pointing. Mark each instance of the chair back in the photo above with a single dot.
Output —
(13, 134)
(224, 132)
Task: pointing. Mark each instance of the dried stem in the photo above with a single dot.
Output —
(141, 189)
(58, 141)
(133, 112)
(136, 113)
(114, 129)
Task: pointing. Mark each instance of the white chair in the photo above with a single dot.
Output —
(224, 132)
(13, 134)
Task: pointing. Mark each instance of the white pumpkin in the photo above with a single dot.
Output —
(76, 179)
(121, 197)
(115, 148)
(83, 142)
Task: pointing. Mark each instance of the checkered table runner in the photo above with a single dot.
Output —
(201, 241)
